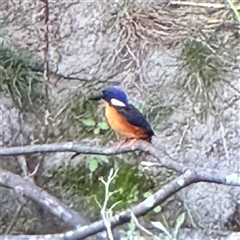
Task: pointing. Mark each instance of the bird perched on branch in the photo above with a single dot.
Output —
(123, 117)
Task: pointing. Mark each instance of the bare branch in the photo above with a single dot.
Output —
(98, 150)
(186, 179)
(31, 191)
(162, 157)
(207, 5)
(79, 147)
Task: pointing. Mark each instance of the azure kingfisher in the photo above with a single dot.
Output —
(123, 117)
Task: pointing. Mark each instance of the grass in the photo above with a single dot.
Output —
(235, 10)
(201, 62)
(21, 78)
(203, 68)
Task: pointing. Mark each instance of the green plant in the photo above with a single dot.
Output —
(236, 10)
(106, 212)
(173, 234)
(76, 117)
(21, 78)
(133, 234)
(130, 182)
(101, 126)
(94, 162)
(203, 68)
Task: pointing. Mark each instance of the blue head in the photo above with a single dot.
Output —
(114, 96)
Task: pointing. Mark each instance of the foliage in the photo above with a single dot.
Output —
(97, 127)
(133, 233)
(21, 78)
(236, 11)
(130, 182)
(173, 234)
(203, 68)
(77, 117)
(201, 62)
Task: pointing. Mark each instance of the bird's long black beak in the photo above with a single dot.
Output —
(96, 97)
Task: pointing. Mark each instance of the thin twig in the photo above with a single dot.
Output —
(183, 134)
(195, 4)
(107, 213)
(139, 225)
(224, 141)
(23, 164)
(232, 6)
(35, 170)
(14, 219)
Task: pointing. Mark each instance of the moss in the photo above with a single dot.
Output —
(203, 68)
(199, 59)
(21, 78)
(159, 114)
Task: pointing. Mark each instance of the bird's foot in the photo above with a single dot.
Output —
(131, 142)
(120, 144)
(127, 142)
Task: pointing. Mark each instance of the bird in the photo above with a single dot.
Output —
(123, 117)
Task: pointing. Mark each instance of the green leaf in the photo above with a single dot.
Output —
(93, 165)
(103, 159)
(89, 122)
(179, 222)
(147, 194)
(157, 209)
(161, 227)
(103, 125)
(132, 225)
(96, 130)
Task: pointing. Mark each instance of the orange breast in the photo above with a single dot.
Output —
(119, 124)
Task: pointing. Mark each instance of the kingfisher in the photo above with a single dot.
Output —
(123, 117)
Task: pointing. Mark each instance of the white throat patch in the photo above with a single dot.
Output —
(118, 103)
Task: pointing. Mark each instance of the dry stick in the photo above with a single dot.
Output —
(97, 150)
(164, 160)
(194, 4)
(23, 164)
